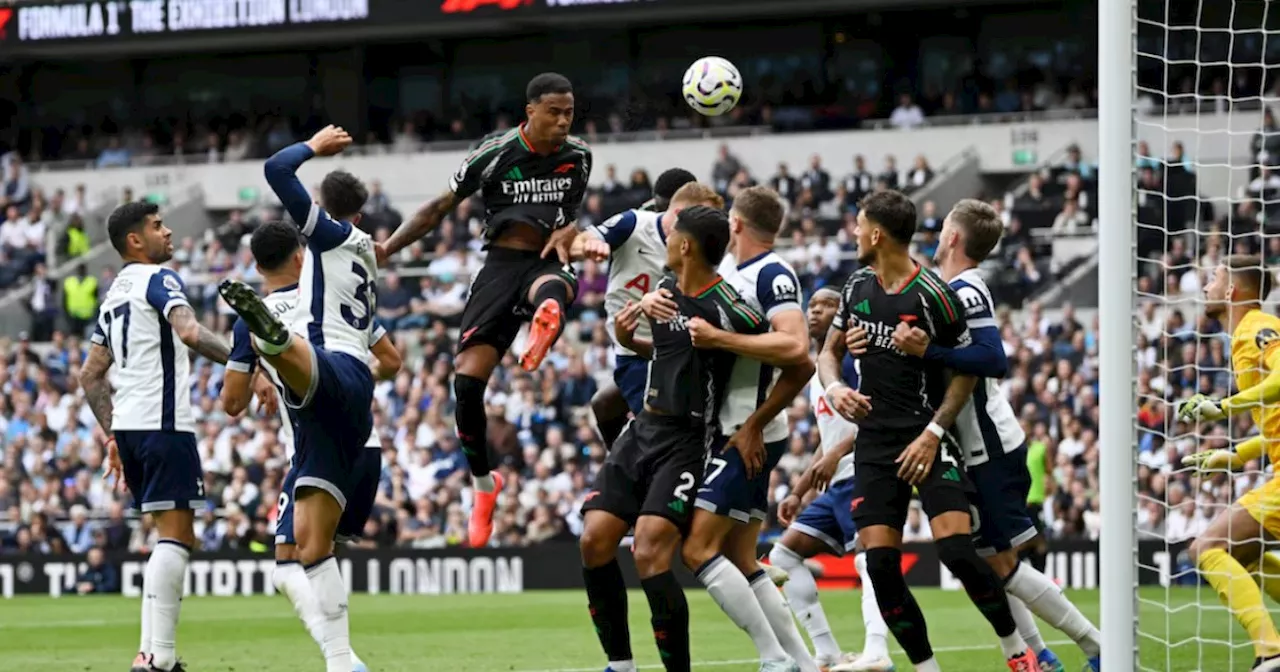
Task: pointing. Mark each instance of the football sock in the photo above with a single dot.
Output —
(1028, 629)
(557, 291)
(780, 619)
(1042, 597)
(291, 579)
(607, 600)
(471, 424)
(331, 598)
(144, 646)
(898, 606)
(1266, 573)
(930, 665)
(984, 587)
(670, 619)
(268, 348)
(802, 595)
(166, 570)
(1241, 595)
(876, 642)
(730, 589)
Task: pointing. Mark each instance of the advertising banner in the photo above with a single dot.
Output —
(550, 566)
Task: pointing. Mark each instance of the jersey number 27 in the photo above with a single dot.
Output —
(365, 296)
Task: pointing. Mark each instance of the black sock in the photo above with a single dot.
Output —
(670, 619)
(897, 605)
(471, 421)
(552, 289)
(607, 599)
(980, 581)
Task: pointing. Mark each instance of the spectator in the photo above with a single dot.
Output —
(725, 169)
(114, 155)
(43, 305)
(858, 184)
(393, 305)
(79, 532)
(907, 115)
(17, 184)
(1071, 219)
(99, 576)
(918, 176)
(786, 185)
(817, 180)
(889, 176)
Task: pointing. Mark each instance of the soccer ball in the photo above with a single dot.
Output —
(712, 86)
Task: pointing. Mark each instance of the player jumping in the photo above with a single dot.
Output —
(993, 443)
(1232, 551)
(826, 524)
(146, 328)
(325, 373)
(905, 401)
(651, 476)
(733, 500)
(532, 180)
(278, 250)
(637, 251)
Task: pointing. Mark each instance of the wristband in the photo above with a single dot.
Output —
(827, 392)
(936, 430)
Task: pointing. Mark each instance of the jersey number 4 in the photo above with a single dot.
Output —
(365, 293)
(118, 340)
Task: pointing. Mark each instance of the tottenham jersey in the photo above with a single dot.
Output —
(151, 364)
(638, 253)
(767, 284)
(832, 427)
(283, 303)
(336, 291)
(986, 423)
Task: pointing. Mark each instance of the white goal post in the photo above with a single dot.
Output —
(1116, 365)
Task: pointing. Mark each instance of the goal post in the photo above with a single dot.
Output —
(1116, 362)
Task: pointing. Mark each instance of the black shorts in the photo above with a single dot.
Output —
(881, 498)
(653, 470)
(499, 300)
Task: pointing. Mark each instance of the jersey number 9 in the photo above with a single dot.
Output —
(365, 294)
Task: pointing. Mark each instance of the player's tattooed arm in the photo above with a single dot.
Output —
(959, 390)
(427, 218)
(97, 390)
(206, 343)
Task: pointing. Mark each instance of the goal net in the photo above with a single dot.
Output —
(1206, 171)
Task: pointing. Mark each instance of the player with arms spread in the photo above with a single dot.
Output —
(637, 249)
(826, 524)
(770, 370)
(651, 476)
(993, 443)
(147, 329)
(324, 366)
(278, 250)
(904, 401)
(532, 180)
(1232, 551)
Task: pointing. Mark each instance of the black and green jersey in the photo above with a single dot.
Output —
(905, 391)
(518, 184)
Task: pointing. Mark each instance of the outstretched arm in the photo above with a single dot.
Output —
(426, 219)
(787, 344)
(189, 330)
(93, 379)
(984, 357)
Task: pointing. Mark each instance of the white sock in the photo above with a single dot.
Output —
(268, 348)
(729, 588)
(484, 483)
(1027, 627)
(1043, 597)
(163, 582)
(331, 597)
(291, 579)
(802, 595)
(780, 619)
(622, 665)
(876, 643)
(144, 646)
(930, 665)
(1012, 645)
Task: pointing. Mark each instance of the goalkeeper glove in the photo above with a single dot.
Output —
(1209, 460)
(1202, 408)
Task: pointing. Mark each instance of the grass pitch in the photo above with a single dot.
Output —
(1183, 629)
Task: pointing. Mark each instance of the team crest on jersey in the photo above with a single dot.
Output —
(1265, 337)
(171, 283)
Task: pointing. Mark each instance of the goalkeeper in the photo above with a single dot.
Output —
(1231, 551)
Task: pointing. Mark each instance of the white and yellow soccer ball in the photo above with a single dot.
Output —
(712, 86)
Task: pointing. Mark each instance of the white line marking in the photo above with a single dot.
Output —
(725, 663)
